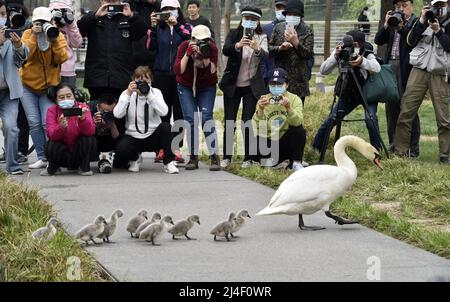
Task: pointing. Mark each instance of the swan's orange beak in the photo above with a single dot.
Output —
(377, 161)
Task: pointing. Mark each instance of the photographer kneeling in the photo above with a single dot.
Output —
(278, 123)
(363, 62)
(70, 131)
(143, 106)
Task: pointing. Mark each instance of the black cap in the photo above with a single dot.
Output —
(279, 76)
(358, 36)
(251, 11)
(295, 6)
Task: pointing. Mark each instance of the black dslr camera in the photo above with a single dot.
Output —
(143, 87)
(275, 99)
(348, 50)
(108, 117)
(204, 48)
(432, 14)
(16, 17)
(396, 18)
(64, 17)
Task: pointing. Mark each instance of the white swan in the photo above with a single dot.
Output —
(315, 188)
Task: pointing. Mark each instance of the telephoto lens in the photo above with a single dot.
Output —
(431, 14)
(16, 18)
(396, 18)
(50, 31)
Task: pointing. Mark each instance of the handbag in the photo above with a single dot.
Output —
(381, 87)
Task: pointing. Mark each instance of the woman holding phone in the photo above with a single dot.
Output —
(70, 130)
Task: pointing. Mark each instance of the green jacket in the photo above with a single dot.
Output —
(275, 120)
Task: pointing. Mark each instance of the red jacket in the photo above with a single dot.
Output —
(204, 76)
(75, 126)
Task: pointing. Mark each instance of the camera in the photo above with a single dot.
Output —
(143, 87)
(204, 48)
(107, 117)
(63, 16)
(249, 33)
(275, 99)
(163, 16)
(396, 18)
(72, 112)
(432, 14)
(115, 8)
(50, 31)
(9, 31)
(16, 18)
(348, 50)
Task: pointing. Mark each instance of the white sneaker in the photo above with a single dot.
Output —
(40, 164)
(296, 166)
(246, 164)
(86, 173)
(171, 168)
(134, 166)
(224, 163)
(268, 162)
(305, 164)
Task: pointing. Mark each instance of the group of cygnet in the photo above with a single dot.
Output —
(139, 226)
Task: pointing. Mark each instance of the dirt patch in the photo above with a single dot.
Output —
(428, 138)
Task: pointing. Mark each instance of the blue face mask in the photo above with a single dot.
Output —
(249, 24)
(277, 90)
(279, 15)
(2, 22)
(174, 13)
(294, 20)
(66, 104)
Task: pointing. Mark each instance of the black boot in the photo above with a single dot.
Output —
(193, 163)
(215, 163)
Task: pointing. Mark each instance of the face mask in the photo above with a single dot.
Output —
(2, 22)
(277, 90)
(443, 12)
(66, 104)
(174, 13)
(279, 15)
(294, 20)
(365, 13)
(357, 50)
(249, 24)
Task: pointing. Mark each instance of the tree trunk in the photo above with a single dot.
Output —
(227, 16)
(385, 6)
(326, 45)
(216, 21)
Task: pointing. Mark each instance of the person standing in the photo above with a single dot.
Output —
(397, 55)
(364, 17)
(193, 7)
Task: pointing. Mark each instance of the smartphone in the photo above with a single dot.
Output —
(163, 16)
(72, 112)
(8, 31)
(116, 8)
(249, 33)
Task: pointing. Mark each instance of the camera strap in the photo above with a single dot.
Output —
(146, 115)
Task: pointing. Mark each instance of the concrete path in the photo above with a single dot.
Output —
(269, 248)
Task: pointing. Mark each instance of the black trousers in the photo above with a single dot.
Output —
(128, 148)
(231, 108)
(168, 86)
(96, 92)
(59, 155)
(290, 147)
(24, 131)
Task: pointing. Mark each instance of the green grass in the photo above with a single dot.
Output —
(408, 200)
(22, 211)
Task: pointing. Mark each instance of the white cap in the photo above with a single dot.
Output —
(42, 13)
(201, 32)
(170, 3)
(436, 1)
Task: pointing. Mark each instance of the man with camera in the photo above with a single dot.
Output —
(356, 54)
(108, 131)
(64, 20)
(393, 33)
(40, 74)
(13, 54)
(292, 45)
(110, 32)
(278, 123)
(430, 36)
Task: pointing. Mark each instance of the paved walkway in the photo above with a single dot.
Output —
(269, 248)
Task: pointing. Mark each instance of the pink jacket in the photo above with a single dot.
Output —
(74, 40)
(75, 126)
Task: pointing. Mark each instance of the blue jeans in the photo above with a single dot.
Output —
(345, 107)
(190, 106)
(9, 110)
(35, 106)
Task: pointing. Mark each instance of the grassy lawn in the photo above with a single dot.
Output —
(409, 200)
(23, 259)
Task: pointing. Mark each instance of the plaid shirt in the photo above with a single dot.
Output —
(395, 52)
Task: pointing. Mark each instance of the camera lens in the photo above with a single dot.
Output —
(17, 20)
(143, 87)
(107, 117)
(50, 31)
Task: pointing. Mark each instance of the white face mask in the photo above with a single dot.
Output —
(444, 11)
(357, 50)
(2, 22)
(293, 20)
(279, 15)
(174, 13)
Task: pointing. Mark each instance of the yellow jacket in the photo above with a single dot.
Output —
(43, 68)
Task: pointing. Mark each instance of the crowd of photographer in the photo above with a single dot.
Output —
(147, 64)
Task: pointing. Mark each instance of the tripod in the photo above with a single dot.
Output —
(347, 72)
